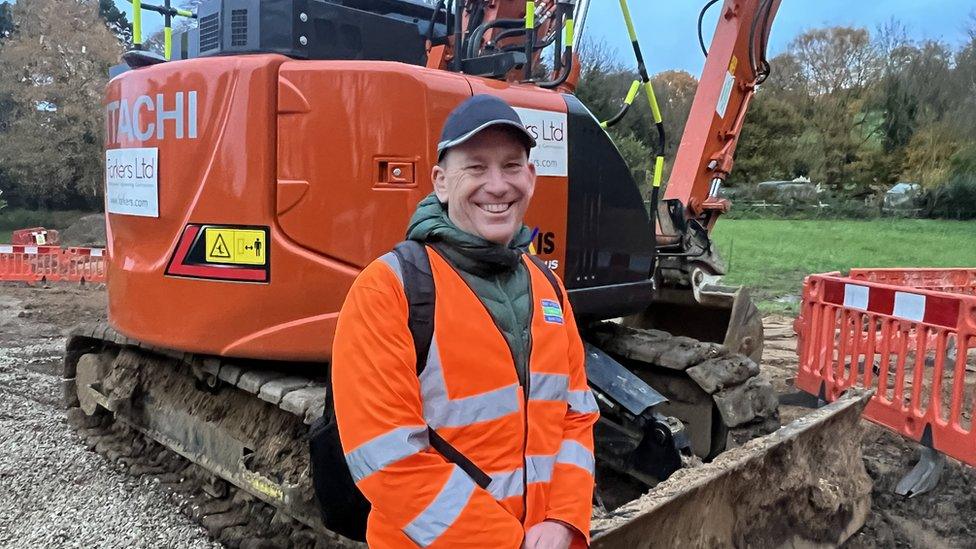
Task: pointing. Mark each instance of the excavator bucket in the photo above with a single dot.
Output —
(802, 486)
(711, 312)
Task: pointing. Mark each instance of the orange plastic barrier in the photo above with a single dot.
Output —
(908, 333)
(51, 264)
(35, 236)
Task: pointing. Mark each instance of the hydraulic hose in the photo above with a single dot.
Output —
(634, 89)
(655, 111)
(563, 72)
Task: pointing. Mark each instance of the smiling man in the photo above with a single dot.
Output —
(482, 434)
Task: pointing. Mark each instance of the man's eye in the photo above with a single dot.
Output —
(476, 168)
(513, 166)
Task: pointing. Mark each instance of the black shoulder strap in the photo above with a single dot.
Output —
(551, 276)
(418, 285)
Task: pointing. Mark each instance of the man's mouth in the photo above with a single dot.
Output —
(496, 208)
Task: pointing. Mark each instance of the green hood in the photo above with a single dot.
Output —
(430, 224)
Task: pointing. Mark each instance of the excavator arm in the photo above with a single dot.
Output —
(735, 64)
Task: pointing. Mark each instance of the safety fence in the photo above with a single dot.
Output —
(910, 334)
(35, 236)
(51, 264)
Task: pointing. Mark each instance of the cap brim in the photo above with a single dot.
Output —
(444, 145)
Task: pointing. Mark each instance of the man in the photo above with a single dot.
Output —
(503, 383)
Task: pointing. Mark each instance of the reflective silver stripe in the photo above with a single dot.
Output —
(443, 511)
(582, 402)
(441, 411)
(539, 468)
(548, 386)
(385, 449)
(507, 484)
(391, 259)
(574, 453)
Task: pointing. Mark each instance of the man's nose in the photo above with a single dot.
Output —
(497, 182)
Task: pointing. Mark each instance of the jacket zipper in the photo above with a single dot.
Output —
(528, 378)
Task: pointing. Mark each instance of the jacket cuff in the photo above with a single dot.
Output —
(580, 540)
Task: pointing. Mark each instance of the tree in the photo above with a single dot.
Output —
(116, 21)
(834, 70)
(772, 138)
(55, 68)
(6, 21)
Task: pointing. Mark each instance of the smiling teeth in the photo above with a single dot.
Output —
(495, 208)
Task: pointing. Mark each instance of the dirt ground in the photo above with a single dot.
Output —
(944, 517)
(33, 321)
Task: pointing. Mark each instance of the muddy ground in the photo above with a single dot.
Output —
(57, 493)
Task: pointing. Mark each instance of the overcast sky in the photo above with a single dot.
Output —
(668, 36)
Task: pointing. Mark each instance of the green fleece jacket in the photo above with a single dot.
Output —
(494, 272)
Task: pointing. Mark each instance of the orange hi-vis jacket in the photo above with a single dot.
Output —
(535, 442)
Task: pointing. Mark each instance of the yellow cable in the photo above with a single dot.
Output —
(530, 14)
(136, 22)
(658, 170)
(167, 42)
(652, 101)
(628, 20)
(634, 88)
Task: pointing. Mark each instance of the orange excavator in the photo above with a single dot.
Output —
(280, 146)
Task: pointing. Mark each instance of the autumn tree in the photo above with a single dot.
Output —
(836, 67)
(55, 67)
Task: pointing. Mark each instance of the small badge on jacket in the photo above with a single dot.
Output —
(552, 312)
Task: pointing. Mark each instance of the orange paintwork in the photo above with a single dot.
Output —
(306, 148)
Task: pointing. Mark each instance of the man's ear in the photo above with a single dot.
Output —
(439, 178)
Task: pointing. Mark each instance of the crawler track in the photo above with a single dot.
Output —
(228, 438)
(722, 396)
(229, 441)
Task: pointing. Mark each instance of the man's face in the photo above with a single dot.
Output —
(487, 183)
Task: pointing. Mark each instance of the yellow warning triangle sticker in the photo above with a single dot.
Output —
(220, 248)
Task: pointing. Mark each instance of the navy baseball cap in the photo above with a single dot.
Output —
(475, 114)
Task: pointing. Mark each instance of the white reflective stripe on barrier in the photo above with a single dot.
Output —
(856, 296)
(97, 252)
(6, 249)
(909, 306)
(30, 250)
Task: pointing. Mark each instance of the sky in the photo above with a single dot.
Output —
(667, 30)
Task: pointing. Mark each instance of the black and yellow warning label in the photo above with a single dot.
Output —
(236, 246)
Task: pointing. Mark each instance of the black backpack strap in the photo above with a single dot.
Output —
(418, 285)
(551, 276)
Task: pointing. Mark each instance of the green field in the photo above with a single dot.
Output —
(772, 256)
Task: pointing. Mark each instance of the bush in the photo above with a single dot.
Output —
(955, 199)
(12, 219)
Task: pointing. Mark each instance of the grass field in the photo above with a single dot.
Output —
(773, 256)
